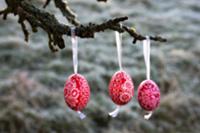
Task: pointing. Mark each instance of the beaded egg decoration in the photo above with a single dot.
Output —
(121, 88)
(76, 92)
(148, 95)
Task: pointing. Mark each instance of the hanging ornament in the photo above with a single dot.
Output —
(121, 87)
(148, 91)
(76, 90)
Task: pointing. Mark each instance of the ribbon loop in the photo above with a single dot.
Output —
(81, 115)
(148, 115)
(146, 52)
(74, 40)
(118, 38)
(115, 112)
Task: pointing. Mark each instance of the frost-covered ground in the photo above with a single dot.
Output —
(32, 78)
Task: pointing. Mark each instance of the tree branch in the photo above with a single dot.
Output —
(55, 30)
(102, 0)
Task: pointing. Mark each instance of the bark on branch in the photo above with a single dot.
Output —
(102, 0)
(55, 30)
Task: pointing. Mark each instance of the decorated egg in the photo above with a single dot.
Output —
(76, 92)
(148, 95)
(121, 88)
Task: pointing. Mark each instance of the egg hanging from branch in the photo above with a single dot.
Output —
(76, 92)
(148, 95)
(121, 88)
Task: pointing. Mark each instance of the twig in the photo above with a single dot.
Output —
(46, 3)
(102, 0)
(66, 11)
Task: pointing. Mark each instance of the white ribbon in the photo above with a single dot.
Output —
(146, 52)
(148, 115)
(81, 115)
(118, 38)
(74, 40)
(115, 112)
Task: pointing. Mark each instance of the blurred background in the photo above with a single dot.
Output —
(32, 77)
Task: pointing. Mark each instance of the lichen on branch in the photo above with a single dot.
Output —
(39, 18)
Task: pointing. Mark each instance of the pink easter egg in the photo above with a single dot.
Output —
(76, 92)
(148, 95)
(121, 88)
